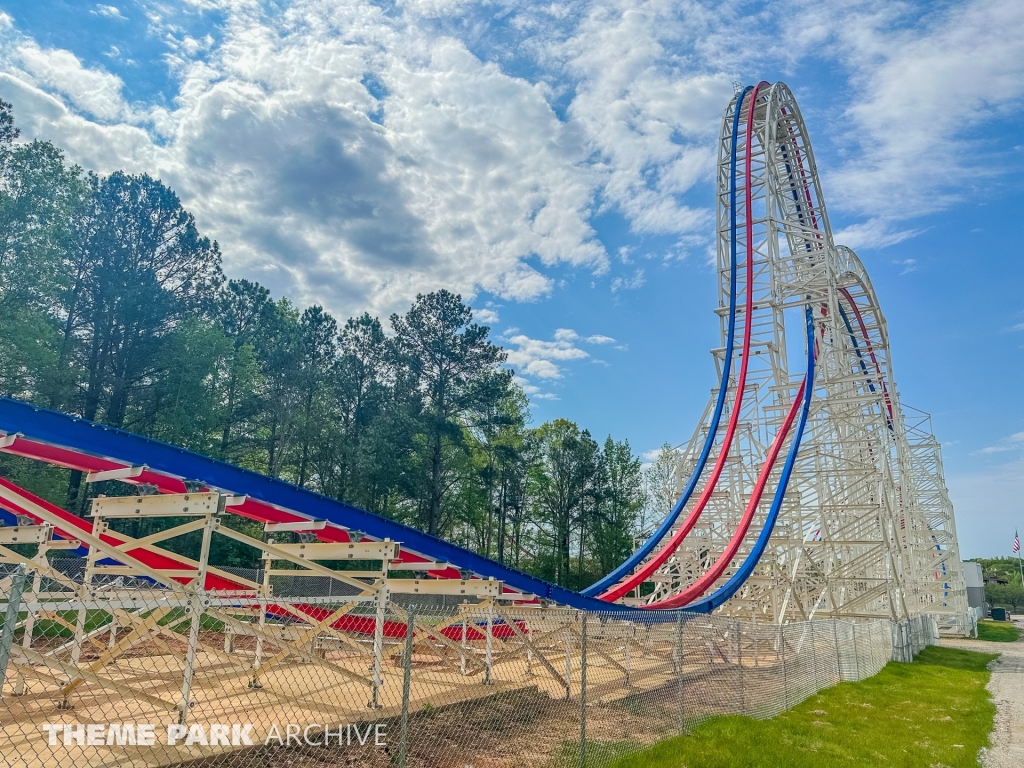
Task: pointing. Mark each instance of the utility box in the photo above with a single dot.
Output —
(999, 614)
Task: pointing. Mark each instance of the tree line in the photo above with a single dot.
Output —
(1003, 585)
(114, 307)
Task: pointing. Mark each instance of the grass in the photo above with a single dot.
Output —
(933, 712)
(998, 631)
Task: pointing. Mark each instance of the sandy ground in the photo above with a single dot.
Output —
(1007, 688)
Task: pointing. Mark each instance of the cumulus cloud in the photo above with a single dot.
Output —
(92, 91)
(542, 359)
(541, 363)
(920, 83)
(485, 316)
(341, 155)
(356, 155)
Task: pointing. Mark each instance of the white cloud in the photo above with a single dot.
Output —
(544, 359)
(874, 233)
(1012, 443)
(536, 358)
(110, 11)
(629, 283)
(340, 154)
(909, 265)
(485, 316)
(921, 81)
(355, 156)
(92, 91)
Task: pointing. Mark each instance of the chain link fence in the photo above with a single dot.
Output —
(128, 672)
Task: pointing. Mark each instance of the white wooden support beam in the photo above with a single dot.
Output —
(478, 587)
(63, 544)
(517, 597)
(163, 505)
(301, 525)
(121, 473)
(25, 534)
(342, 550)
(350, 574)
(397, 566)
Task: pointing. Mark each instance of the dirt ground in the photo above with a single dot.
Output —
(1007, 688)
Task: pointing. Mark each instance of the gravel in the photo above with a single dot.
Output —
(1007, 689)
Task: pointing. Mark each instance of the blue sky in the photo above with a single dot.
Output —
(554, 164)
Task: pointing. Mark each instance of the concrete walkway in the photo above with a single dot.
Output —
(1007, 688)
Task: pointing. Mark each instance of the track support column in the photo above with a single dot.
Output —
(196, 605)
(30, 620)
(11, 620)
(378, 643)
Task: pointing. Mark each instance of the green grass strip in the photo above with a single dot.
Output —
(998, 631)
(933, 712)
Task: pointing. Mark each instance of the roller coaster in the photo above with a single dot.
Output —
(807, 490)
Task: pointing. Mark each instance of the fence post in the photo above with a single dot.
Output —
(814, 656)
(785, 677)
(403, 737)
(583, 691)
(856, 652)
(679, 672)
(839, 657)
(739, 660)
(568, 664)
(378, 644)
(11, 620)
(629, 642)
(490, 642)
(529, 650)
(462, 658)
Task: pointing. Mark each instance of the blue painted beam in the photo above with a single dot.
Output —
(89, 437)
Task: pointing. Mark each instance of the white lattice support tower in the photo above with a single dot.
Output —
(866, 529)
